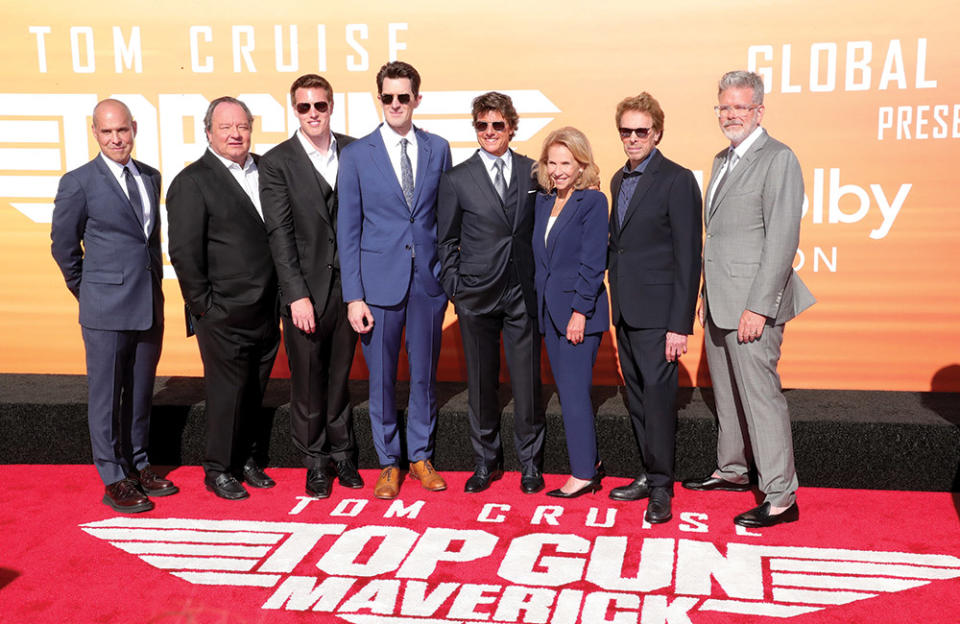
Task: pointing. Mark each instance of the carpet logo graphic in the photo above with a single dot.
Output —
(374, 574)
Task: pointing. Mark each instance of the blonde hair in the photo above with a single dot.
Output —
(579, 146)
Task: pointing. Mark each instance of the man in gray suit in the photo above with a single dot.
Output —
(752, 216)
(106, 240)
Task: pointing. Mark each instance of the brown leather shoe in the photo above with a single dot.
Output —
(153, 484)
(124, 496)
(429, 478)
(388, 484)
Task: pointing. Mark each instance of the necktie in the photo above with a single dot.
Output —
(406, 173)
(732, 159)
(499, 182)
(134, 194)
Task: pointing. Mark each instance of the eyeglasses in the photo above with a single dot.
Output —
(498, 126)
(387, 98)
(304, 107)
(735, 111)
(641, 133)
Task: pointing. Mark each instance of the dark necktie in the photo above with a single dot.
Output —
(406, 173)
(499, 182)
(134, 194)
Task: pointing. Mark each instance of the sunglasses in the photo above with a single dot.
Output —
(304, 107)
(498, 126)
(641, 133)
(387, 98)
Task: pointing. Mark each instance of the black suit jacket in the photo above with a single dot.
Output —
(478, 243)
(300, 211)
(219, 248)
(654, 256)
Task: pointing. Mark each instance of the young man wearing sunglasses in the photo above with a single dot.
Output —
(654, 263)
(485, 228)
(387, 235)
(298, 180)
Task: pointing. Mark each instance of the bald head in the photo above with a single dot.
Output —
(114, 129)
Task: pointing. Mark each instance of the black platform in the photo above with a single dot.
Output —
(851, 439)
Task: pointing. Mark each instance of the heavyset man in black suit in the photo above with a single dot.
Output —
(654, 264)
(298, 180)
(106, 240)
(219, 248)
(485, 229)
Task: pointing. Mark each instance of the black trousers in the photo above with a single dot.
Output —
(321, 419)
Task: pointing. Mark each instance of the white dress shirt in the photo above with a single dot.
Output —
(117, 170)
(391, 140)
(489, 160)
(248, 177)
(325, 164)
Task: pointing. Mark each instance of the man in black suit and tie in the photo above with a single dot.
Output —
(485, 228)
(298, 181)
(654, 263)
(219, 248)
(106, 240)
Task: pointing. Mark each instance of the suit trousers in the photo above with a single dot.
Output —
(321, 420)
(572, 367)
(419, 320)
(121, 369)
(651, 385)
(236, 366)
(752, 411)
(481, 335)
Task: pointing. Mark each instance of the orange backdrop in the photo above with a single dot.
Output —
(865, 93)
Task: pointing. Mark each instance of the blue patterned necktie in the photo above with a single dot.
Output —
(406, 173)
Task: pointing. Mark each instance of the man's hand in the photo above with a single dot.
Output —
(301, 311)
(751, 326)
(575, 327)
(676, 346)
(360, 317)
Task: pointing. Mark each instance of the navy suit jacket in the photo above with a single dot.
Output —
(377, 234)
(654, 256)
(109, 264)
(570, 267)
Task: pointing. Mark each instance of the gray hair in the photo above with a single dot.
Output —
(743, 80)
(208, 118)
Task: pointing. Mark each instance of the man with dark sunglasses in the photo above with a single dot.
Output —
(387, 236)
(298, 180)
(654, 263)
(485, 229)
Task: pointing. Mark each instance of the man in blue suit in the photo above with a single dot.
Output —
(387, 236)
(106, 240)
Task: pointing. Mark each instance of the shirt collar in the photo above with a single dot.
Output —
(641, 167)
(310, 148)
(747, 142)
(489, 159)
(392, 137)
(116, 168)
(229, 164)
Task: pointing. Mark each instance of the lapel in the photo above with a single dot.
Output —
(303, 170)
(380, 158)
(423, 161)
(524, 181)
(237, 195)
(111, 181)
(739, 172)
(643, 185)
(488, 195)
(565, 217)
(152, 184)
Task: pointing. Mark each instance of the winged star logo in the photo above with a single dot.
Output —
(265, 554)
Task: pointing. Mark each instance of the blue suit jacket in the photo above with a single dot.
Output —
(570, 267)
(377, 234)
(109, 264)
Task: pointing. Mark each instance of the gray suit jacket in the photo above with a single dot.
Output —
(753, 230)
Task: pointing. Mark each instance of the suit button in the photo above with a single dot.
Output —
(329, 240)
(406, 246)
(330, 266)
(619, 251)
(411, 219)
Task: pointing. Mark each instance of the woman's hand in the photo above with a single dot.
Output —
(575, 327)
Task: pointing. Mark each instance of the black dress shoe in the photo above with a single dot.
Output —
(760, 517)
(637, 489)
(711, 482)
(319, 483)
(124, 496)
(659, 508)
(153, 484)
(347, 474)
(531, 482)
(256, 477)
(592, 486)
(481, 479)
(225, 485)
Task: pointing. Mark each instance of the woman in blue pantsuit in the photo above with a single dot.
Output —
(570, 252)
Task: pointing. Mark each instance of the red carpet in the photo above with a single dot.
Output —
(432, 558)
